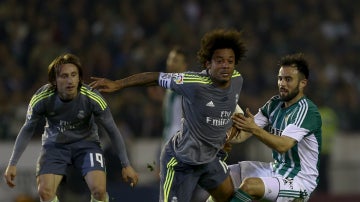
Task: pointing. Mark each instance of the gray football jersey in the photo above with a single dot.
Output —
(68, 122)
(207, 114)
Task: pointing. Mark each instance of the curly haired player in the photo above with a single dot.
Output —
(191, 156)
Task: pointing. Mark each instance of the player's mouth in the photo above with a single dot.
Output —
(283, 90)
(225, 74)
(70, 88)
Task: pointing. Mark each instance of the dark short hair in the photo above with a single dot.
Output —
(219, 39)
(296, 60)
(179, 50)
(67, 58)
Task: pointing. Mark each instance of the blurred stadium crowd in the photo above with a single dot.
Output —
(117, 38)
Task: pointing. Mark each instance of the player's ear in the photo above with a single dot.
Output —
(207, 64)
(303, 83)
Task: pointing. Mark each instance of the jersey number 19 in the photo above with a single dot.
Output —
(98, 158)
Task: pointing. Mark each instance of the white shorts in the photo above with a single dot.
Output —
(277, 188)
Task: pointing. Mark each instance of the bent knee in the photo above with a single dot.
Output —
(46, 194)
(98, 193)
(253, 186)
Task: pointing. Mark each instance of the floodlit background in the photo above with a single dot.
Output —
(115, 39)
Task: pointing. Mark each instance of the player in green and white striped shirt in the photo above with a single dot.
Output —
(290, 124)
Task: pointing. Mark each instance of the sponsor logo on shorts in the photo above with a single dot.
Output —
(289, 181)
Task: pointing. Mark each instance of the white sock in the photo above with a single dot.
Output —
(94, 200)
(55, 199)
(210, 199)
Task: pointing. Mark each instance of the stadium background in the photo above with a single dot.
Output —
(117, 38)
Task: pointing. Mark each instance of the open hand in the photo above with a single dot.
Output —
(103, 84)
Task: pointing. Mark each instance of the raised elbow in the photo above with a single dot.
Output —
(285, 144)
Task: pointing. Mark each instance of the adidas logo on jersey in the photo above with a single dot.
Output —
(210, 104)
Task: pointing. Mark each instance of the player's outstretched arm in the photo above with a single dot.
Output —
(9, 175)
(104, 84)
(141, 79)
(130, 175)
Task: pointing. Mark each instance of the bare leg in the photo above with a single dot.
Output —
(47, 186)
(224, 192)
(96, 181)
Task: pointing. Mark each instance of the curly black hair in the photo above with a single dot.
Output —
(219, 39)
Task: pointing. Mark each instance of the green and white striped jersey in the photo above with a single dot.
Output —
(302, 122)
(172, 113)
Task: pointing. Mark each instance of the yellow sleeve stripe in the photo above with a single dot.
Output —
(36, 98)
(192, 78)
(94, 97)
(236, 74)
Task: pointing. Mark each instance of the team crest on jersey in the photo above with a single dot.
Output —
(81, 114)
(29, 112)
(178, 78)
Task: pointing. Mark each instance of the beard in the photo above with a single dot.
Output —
(291, 94)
